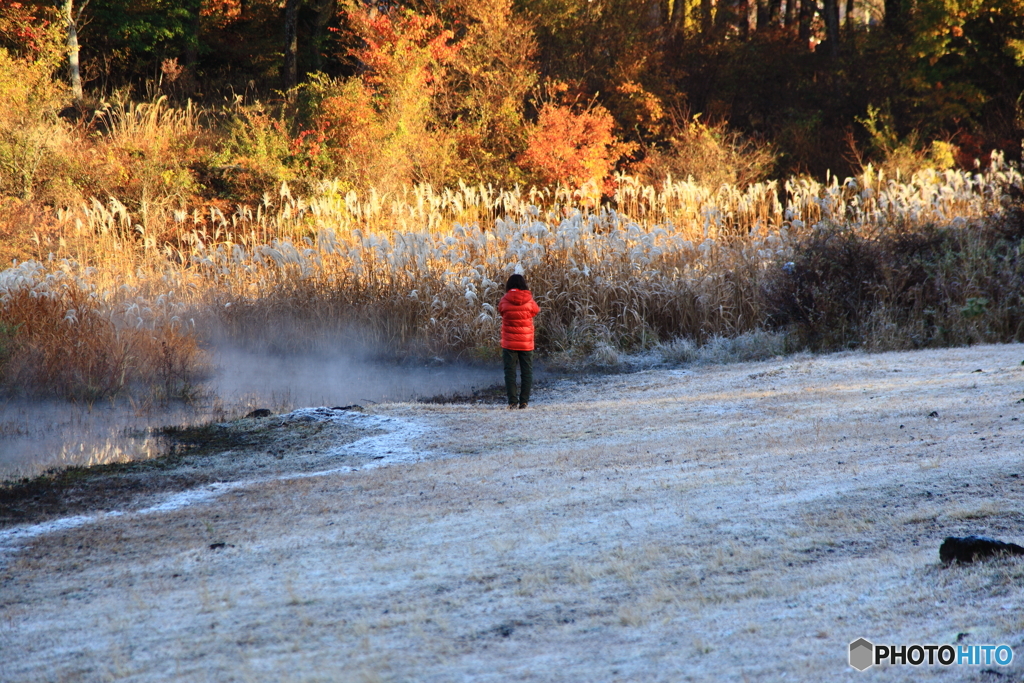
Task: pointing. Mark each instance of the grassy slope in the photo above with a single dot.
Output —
(729, 522)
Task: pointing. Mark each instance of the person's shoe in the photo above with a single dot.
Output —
(522, 406)
(513, 406)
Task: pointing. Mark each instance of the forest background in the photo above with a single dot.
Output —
(168, 169)
(515, 91)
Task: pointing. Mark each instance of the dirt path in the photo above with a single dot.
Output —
(741, 522)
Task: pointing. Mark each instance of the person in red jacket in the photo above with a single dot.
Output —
(517, 309)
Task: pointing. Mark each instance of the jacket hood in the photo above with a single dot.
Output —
(518, 296)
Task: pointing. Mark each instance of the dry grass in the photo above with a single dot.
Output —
(62, 340)
(419, 273)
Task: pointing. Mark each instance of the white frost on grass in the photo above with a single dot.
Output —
(391, 447)
(396, 445)
(741, 522)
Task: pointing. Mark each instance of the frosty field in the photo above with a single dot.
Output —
(738, 522)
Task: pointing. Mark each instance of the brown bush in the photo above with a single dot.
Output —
(930, 286)
(63, 343)
(711, 154)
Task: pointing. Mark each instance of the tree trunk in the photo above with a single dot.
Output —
(894, 19)
(761, 14)
(67, 11)
(746, 14)
(790, 19)
(832, 27)
(291, 44)
(324, 13)
(849, 17)
(192, 46)
(808, 8)
(706, 18)
(774, 10)
(677, 24)
(654, 21)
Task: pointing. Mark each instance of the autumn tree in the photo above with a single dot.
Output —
(71, 17)
(578, 149)
(489, 83)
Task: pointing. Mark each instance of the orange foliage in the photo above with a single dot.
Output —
(396, 43)
(346, 130)
(574, 149)
(638, 106)
(222, 11)
(381, 127)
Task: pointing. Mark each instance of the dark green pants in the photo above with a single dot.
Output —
(525, 360)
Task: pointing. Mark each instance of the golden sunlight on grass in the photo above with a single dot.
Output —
(418, 273)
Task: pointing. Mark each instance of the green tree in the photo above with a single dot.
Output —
(137, 35)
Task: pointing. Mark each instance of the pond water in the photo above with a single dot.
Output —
(37, 435)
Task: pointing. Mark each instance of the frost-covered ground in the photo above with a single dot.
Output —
(740, 522)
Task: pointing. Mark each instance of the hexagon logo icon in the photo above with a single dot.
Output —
(862, 654)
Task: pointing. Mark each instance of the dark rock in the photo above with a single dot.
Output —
(219, 545)
(355, 407)
(934, 413)
(71, 114)
(971, 548)
(260, 412)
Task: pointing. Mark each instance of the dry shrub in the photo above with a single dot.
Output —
(895, 156)
(32, 137)
(419, 273)
(147, 149)
(140, 153)
(346, 135)
(928, 286)
(254, 154)
(61, 341)
(711, 155)
(24, 228)
(696, 264)
(747, 346)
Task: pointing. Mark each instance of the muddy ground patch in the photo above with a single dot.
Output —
(193, 456)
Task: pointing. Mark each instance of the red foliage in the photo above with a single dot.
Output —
(574, 149)
(308, 145)
(22, 29)
(395, 42)
(970, 147)
(346, 129)
(221, 13)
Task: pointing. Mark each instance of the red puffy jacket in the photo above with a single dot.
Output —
(517, 309)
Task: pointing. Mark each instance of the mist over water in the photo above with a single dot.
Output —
(266, 379)
(38, 435)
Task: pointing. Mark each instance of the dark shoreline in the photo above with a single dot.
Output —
(193, 456)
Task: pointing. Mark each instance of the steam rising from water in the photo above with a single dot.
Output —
(38, 435)
(298, 381)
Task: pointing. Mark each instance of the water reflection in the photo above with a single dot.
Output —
(37, 435)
